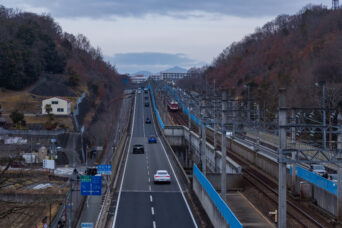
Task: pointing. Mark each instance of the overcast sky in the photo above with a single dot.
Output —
(154, 35)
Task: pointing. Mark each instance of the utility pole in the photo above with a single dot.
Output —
(223, 145)
(189, 145)
(293, 145)
(203, 149)
(248, 104)
(281, 160)
(324, 116)
(339, 169)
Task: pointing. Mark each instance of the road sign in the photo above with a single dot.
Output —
(87, 225)
(104, 169)
(49, 164)
(91, 185)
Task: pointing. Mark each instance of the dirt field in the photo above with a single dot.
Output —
(21, 205)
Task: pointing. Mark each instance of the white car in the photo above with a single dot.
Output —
(162, 176)
(318, 169)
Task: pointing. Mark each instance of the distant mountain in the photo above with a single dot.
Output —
(175, 70)
(145, 73)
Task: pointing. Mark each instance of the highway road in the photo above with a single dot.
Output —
(141, 203)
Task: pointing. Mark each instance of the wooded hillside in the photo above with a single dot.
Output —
(32, 46)
(292, 52)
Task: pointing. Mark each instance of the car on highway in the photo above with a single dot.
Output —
(152, 139)
(147, 104)
(162, 176)
(318, 169)
(91, 171)
(148, 120)
(138, 149)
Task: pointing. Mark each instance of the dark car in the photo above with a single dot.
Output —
(147, 104)
(91, 171)
(146, 98)
(152, 139)
(148, 120)
(138, 149)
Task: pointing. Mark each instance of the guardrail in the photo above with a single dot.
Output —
(316, 179)
(155, 108)
(217, 200)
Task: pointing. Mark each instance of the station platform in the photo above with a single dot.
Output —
(245, 212)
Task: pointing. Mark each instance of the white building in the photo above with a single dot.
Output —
(59, 105)
(156, 77)
(138, 78)
(173, 74)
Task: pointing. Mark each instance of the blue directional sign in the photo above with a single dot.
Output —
(87, 225)
(104, 169)
(91, 185)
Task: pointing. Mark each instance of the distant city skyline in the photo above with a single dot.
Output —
(156, 35)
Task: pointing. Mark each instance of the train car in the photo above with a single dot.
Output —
(173, 106)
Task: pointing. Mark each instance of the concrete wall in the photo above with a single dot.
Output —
(234, 181)
(212, 211)
(28, 198)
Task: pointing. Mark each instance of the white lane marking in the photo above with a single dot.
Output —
(154, 224)
(152, 210)
(149, 179)
(149, 187)
(151, 199)
(174, 174)
(148, 172)
(152, 191)
(123, 175)
(143, 116)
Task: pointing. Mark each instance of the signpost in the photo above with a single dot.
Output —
(104, 169)
(87, 225)
(91, 185)
(49, 164)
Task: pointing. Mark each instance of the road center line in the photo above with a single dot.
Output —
(149, 187)
(151, 199)
(149, 180)
(154, 224)
(152, 210)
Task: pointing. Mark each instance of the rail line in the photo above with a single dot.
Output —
(260, 181)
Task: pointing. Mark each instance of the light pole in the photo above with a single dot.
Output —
(323, 85)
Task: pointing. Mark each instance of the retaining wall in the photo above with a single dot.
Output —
(217, 210)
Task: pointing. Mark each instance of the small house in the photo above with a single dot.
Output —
(59, 106)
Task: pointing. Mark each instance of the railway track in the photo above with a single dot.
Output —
(300, 214)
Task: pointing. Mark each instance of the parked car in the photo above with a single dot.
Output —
(152, 139)
(318, 169)
(147, 104)
(333, 177)
(138, 149)
(162, 176)
(148, 120)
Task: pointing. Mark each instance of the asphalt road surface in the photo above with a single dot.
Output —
(141, 203)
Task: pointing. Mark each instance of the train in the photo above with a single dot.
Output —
(173, 106)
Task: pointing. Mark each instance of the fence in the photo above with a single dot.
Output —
(161, 123)
(315, 179)
(76, 111)
(217, 200)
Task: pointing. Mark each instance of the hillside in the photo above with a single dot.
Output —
(39, 60)
(292, 52)
(33, 46)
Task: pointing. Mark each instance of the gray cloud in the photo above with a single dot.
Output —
(151, 61)
(174, 8)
